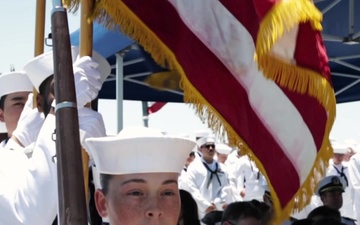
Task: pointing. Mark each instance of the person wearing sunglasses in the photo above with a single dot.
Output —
(207, 181)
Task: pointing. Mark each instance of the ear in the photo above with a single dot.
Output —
(39, 101)
(2, 119)
(100, 203)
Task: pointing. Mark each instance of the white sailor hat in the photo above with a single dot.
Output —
(139, 150)
(339, 148)
(42, 67)
(205, 140)
(330, 183)
(223, 148)
(201, 133)
(14, 82)
(2, 128)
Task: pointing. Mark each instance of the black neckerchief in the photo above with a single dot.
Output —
(342, 174)
(212, 172)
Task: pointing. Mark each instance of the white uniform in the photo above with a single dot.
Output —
(207, 187)
(248, 177)
(3, 143)
(232, 158)
(354, 171)
(348, 207)
(28, 190)
(183, 180)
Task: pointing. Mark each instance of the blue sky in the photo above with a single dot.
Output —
(17, 47)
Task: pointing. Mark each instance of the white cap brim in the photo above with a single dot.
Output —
(131, 155)
(42, 66)
(14, 82)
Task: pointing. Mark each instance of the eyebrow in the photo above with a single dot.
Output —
(170, 182)
(142, 181)
(133, 180)
(17, 98)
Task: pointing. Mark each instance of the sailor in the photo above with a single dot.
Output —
(199, 134)
(134, 188)
(29, 185)
(222, 152)
(336, 167)
(87, 72)
(234, 156)
(183, 175)
(354, 171)
(249, 183)
(14, 90)
(330, 190)
(207, 180)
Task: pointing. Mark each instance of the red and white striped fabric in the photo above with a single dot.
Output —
(285, 123)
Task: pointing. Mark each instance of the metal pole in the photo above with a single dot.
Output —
(145, 113)
(119, 90)
(72, 204)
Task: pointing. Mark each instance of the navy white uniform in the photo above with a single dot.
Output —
(248, 178)
(29, 186)
(208, 184)
(348, 208)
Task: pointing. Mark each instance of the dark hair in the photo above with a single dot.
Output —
(324, 212)
(104, 182)
(238, 210)
(327, 221)
(2, 102)
(45, 90)
(189, 210)
(303, 222)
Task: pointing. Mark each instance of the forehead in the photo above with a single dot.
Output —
(17, 96)
(148, 178)
(332, 192)
(209, 143)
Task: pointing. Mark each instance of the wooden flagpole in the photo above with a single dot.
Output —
(72, 200)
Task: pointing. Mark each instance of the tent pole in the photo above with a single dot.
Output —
(119, 90)
(145, 113)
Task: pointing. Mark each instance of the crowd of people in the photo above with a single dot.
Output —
(188, 182)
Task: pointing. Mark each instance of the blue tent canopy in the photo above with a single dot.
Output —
(340, 32)
(137, 63)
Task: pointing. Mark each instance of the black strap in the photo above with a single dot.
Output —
(342, 174)
(212, 173)
(185, 169)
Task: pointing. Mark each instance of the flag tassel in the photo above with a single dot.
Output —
(282, 18)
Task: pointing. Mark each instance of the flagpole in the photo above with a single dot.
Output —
(39, 34)
(72, 204)
(86, 46)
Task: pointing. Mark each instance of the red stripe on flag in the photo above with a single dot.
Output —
(216, 84)
(155, 107)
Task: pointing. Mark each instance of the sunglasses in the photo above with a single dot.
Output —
(208, 146)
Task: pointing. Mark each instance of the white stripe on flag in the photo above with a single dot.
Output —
(228, 39)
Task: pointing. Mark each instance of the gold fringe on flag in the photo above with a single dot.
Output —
(282, 18)
(299, 80)
(114, 13)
